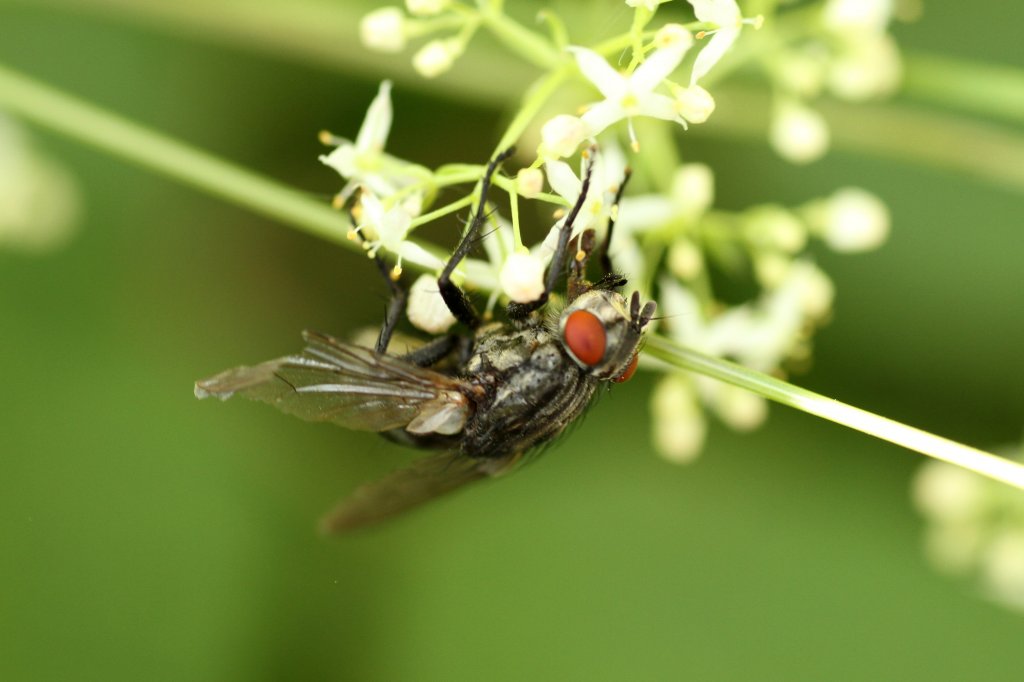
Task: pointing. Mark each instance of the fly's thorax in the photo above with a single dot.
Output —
(501, 347)
(601, 332)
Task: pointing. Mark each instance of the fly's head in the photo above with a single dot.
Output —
(602, 332)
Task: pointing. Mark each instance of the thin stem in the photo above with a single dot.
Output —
(978, 461)
(133, 142)
(537, 96)
(528, 44)
(986, 89)
(457, 205)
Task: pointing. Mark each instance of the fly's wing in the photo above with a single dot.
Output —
(421, 481)
(354, 387)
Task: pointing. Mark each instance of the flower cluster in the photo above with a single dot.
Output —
(669, 239)
(975, 527)
(848, 54)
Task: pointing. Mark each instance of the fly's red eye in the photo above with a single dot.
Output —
(585, 337)
(628, 372)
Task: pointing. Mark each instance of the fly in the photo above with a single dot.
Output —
(484, 399)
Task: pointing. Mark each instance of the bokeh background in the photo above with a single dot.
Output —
(146, 535)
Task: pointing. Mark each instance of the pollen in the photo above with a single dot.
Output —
(396, 272)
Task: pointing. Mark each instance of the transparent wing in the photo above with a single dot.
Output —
(421, 481)
(350, 386)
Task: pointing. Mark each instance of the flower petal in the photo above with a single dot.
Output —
(602, 115)
(563, 180)
(656, 68)
(720, 12)
(374, 132)
(658, 106)
(719, 44)
(595, 69)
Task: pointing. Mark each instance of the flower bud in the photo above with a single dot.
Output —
(434, 58)
(694, 103)
(673, 35)
(522, 278)
(854, 220)
(426, 309)
(561, 135)
(798, 133)
(383, 30)
(530, 182)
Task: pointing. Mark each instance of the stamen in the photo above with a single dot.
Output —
(633, 142)
(326, 137)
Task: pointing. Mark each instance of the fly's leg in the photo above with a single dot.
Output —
(456, 300)
(426, 355)
(583, 247)
(606, 261)
(395, 306)
(518, 311)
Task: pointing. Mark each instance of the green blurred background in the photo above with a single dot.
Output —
(146, 535)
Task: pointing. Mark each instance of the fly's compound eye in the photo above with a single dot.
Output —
(628, 372)
(585, 337)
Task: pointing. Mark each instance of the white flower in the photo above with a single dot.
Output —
(435, 58)
(383, 30)
(866, 69)
(759, 334)
(1003, 568)
(695, 103)
(632, 95)
(740, 409)
(685, 260)
(774, 227)
(947, 493)
(426, 309)
(388, 229)
(425, 8)
(522, 277)
(726, 15)
(677, 420)
(364, 162)
(851, 220)
(798, 133)
(560, 136)
(844, 16)
(608, 170)
(693, 190)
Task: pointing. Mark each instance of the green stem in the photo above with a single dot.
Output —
(978, 461)
(985, 89)
(529, 45)
(535, 99)
(107, 131)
